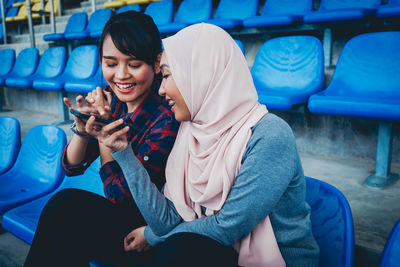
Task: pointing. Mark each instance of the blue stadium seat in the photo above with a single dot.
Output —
(231, 13)
(37, 170)
(391, 9)
(287, 70)
(82, 64)
(7, 56)
(25, 64)
(162, 12)
(85, 86)
(342, 10)
(279, 13)
(332, 223)
(22, 220)
(76, 25)
(128, 8)
(10, 142)
(97, 22)
(391, 252)
(51, 65)
(1, 33)
(189, 12)
(365, 84)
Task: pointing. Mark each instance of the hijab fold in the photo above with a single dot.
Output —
(212, 75)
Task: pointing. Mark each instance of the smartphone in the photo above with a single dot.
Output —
(101, 120)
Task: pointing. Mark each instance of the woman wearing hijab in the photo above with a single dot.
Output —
(235, 188)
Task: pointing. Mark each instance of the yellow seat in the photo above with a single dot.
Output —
(47, 9)
(24, 2)
(24, 15)
(21, 12)
(133, 2)
(113, 4)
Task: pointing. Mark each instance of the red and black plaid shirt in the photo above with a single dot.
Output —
(152, 134)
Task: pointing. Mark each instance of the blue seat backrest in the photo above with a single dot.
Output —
(236, 9)
(83, 62)
(391, 252)
(194, 11)
(394, 2)
(7, 59)
(340, 4)
(40, 153)
(98, 19)
(10, 142)
(332, 223)
(292, 7)
(369, 66)
(77, 23)
(26, 62)
(52, 62)
(161, 11)
(294, 62)
(128, 8)
(12, 12)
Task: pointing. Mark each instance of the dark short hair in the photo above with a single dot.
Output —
(133, 34)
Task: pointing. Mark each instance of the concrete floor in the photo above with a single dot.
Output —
(374, 211)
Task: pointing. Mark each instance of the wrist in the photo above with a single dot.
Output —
(77, 132)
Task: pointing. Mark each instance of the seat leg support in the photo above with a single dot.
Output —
(327, 45)
(382, 177)
(63, 109)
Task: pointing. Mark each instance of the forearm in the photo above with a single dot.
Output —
(159, 213)
(76, 150)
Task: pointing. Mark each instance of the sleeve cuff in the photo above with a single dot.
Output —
(151, 238)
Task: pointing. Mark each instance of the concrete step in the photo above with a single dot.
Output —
(18, 47)
(99, 4)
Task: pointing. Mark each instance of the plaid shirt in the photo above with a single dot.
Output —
(152, 134)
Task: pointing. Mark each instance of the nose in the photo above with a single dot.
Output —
(122, 72)
(161, 90)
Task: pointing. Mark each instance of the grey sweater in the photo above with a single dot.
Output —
(270, 182)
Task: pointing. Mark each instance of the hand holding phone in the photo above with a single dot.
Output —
(97, 119)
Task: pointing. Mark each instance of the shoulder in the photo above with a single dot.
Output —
(272, 128)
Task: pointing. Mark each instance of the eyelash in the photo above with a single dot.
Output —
(134, 67)
(165, 76)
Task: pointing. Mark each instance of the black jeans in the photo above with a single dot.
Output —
(77, 226)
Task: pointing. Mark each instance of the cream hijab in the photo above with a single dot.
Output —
(212, 75)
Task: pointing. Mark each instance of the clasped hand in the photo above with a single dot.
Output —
(97, 104)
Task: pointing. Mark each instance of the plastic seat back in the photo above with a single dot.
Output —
(368, 67)
(82, 63)
(97, 22)
(342, 4)
(76, 23)
(291, 65)
(26, 62)
(161, 11)
(40, 154)
(10, 142)
(194, 11)
(52, 62)
(332, 223)
(7, 59)
(128, 8)
(292, 7)
(391, 252)
(236, 9)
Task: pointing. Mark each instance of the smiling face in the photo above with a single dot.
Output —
(171, 92)
(129, 78)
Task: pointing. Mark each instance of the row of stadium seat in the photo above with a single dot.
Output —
(35, 174)
(230, 14)
(287, 71)
(28, 185)
(18, 10)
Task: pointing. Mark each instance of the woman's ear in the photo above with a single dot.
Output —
(157, 64)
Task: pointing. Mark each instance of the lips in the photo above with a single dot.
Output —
(125, 87)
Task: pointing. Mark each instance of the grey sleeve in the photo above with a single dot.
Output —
(268, 166)
(159, 213)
